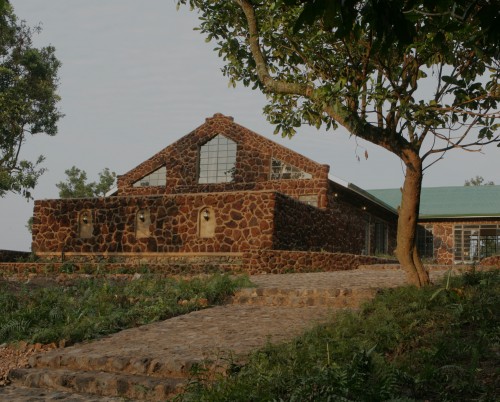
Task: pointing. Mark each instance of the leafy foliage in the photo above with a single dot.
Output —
(90, 308)
(393, 21)
(76, 185)
(478, 181)
(28, 100)
(405, 346)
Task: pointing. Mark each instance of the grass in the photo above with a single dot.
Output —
(90, 308)
(439, 343)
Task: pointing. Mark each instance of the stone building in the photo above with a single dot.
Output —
(225, 193)
(221, 189)
(458, 225)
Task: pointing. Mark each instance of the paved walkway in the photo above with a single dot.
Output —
(151, 362)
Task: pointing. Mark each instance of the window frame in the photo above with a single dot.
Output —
(473, 242)
(293, 171)
(219, 165)
(161, 177)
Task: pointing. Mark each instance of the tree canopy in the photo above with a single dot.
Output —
(478, 181)
(76, 185)
(417, 95)
(28, 100)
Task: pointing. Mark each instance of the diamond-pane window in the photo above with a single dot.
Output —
(284, 171)
(217, 160)
(154, 179)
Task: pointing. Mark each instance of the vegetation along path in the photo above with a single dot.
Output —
(153, 361)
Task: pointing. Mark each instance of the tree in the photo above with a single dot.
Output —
(76, 185)
(419, 96)
(478, 181)
(28, 100)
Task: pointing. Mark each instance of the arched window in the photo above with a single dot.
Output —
(217, 160)
(155, 178)
(85, 224)
(206, 222)
(142, 222)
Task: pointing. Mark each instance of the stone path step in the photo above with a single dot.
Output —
(338, 298)
(167, 350)
(25, 394)
(160, 356)
(98, 383)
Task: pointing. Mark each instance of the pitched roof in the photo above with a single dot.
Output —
(362, 193)
(450, 202)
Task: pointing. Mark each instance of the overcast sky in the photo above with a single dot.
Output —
(135, 77)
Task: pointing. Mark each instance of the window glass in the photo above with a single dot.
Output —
(156, 178)
(310, 199)
(284, 171)
(425, 241)
(217, 160)
(473, 243)
(380, 238)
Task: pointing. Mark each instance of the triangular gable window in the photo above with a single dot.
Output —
(284, 171)
(154, 179)
(217, 160)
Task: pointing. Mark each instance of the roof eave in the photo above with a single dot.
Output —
(463, 216)
(362, 193)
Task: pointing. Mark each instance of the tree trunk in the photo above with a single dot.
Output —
(406, 249)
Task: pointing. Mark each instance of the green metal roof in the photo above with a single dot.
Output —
(449, 202)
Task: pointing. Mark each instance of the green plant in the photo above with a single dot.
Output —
(89, 308)
(67, 267)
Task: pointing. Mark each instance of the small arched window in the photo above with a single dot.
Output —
(206, 222)
(85, 224)
(142, 223)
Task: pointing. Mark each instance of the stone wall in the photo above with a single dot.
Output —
(493, 261)
(252, 262)
(282, 262)
(341, 228)
(235, 222)
(241, 221)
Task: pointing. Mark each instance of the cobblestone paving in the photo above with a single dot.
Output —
(169, 348)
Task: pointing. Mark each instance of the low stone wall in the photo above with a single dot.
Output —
(251, 263)
(12, 256)
(281, 262)
(493, 261)
(51, 268)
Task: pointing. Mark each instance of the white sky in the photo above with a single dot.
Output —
(135, 77)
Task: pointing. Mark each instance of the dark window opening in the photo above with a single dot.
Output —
(425, 241)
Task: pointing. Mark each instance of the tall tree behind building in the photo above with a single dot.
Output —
(28, 100)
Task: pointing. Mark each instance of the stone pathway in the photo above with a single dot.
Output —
(152, 362)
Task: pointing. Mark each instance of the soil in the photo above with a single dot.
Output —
(17, 355)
